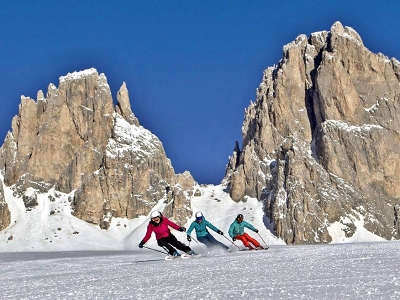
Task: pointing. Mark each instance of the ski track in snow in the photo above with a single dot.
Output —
(340, 271)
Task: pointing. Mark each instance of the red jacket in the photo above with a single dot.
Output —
(161, 230)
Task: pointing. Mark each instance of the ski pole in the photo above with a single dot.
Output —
(199, 244)
(155, 250)
(263, 240)
(231, 242)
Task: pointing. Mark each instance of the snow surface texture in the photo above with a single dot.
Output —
(341, 271)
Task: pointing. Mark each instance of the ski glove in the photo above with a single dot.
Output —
(220, 232)
(233, 239)
(182, 229)
(256, 230)
(141, 244)
(189, 238)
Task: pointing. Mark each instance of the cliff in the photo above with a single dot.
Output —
(76, 141)
(320, 141)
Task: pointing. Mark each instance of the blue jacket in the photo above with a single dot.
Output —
(201, 227)
(237, 228)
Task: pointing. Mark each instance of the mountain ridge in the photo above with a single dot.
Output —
(319, 117)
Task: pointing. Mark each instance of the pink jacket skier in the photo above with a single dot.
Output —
(165, 239)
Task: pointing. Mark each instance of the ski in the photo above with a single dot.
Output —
(183, 256)
(254, 249)
(195, 255)
(147, 260)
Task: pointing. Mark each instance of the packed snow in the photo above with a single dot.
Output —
(50, 226)
(341, 271)
(49, 254)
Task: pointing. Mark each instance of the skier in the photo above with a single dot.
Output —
(236, 232)
(200, 226)
(165, 239)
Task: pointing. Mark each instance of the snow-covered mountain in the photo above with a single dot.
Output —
(319, 162)
(74, 141)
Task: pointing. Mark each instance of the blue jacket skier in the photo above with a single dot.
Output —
(236, 232)
(203, 236)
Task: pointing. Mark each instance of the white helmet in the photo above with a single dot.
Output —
(155, 214)
(199, 215)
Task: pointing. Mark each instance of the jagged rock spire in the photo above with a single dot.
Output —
(319, 143)
(75, 141)
(124, 106)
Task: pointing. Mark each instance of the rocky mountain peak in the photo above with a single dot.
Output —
(76, 141)
(319, 143)
(338, 29)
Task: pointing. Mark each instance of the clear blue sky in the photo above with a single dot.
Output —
(191, 67)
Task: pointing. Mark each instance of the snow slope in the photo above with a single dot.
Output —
(340, 271)
(50, 226)
(91, 263)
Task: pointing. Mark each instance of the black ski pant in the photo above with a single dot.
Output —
(170, 241)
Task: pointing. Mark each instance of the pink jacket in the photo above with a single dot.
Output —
(161, 230)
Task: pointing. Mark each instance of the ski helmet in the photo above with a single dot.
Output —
(155, 214)
(199, 216)
(239, 216)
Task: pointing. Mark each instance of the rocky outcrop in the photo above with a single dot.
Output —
(319, 143)
(124, 106)
(56, 139)
(76, 141)
(5, 216)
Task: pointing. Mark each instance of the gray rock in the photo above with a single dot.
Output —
(320, 141)
(74, 140)
(5, 216)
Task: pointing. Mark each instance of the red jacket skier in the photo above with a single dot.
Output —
(165, 239)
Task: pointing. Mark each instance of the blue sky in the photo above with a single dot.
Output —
(191, 67)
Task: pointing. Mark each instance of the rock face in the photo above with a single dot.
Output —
(76, 141)
(5, 217)
(320, 141)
